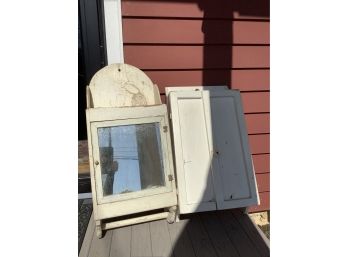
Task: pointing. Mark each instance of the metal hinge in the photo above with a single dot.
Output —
(165, 129)
(170, 177)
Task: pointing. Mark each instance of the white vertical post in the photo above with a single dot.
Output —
(113, 31)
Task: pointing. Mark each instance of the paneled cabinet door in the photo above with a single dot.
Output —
(232, 166)
(213, 161)
(192, 144)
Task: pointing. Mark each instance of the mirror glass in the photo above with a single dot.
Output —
(130, 158)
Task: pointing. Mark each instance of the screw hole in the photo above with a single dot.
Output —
(119, 69)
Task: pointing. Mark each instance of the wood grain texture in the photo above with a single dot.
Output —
(244, 80)
(232, 9)
(264, 203)
(192, 57)
(173, 31)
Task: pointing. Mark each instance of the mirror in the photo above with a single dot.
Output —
(130, 158)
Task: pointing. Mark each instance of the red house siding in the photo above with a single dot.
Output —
(201, 42)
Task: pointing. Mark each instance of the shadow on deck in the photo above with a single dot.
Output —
(218, 233)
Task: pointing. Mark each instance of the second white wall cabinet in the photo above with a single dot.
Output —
(213, 162)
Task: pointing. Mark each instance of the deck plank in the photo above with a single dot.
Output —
(252, 232)
(141, 241)
(200, 239)
(160, 239)
(121, 242)
(86, 244)
(223, 245)
(180, 240)
(100, 247)
(220, 234)
(237, 235)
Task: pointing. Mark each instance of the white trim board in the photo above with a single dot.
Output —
(113, 31)
(213, 147)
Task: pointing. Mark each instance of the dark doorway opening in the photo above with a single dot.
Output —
(91, 52)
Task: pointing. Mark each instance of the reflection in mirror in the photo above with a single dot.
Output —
(130, 158)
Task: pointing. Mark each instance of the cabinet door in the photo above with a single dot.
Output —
(131, 160)
(192, 144)
(232, 165)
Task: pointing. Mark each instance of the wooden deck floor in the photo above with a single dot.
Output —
(210, 234)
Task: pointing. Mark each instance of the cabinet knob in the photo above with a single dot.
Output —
(96, 163)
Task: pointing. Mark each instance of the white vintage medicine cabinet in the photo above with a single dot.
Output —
(130, 149)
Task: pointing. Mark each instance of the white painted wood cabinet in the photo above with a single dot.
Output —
(212, 157)
(131, 164)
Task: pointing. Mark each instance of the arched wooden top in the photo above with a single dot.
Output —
(121, 85)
